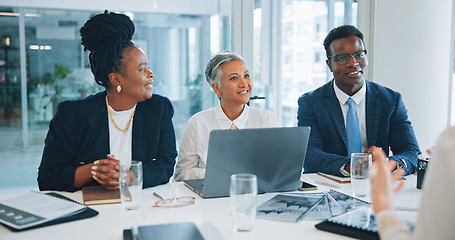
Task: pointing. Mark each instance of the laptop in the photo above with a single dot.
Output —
(274, 155)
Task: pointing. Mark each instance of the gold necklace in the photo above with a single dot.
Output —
(113, 121)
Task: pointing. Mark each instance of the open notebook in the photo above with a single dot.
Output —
(359, 223)
(35, 209)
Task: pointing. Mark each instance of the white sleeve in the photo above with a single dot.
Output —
(436, 212)
(391, 227)
(188, 160)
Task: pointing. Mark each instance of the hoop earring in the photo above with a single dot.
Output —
(119, 89)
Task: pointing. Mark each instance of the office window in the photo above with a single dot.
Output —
(57, 69)
(285, 76)
(301, 56)
(289, 31)
(317, 57)
(452, 112)
(302, 29)
(10, 79)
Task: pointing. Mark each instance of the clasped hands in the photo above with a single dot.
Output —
(376, 154)
(106, 172)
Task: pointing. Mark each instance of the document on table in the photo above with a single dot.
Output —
(297, 206)
(33, 208)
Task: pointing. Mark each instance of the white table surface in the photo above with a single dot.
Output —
(112, 219)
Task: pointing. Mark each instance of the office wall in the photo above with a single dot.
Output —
(412, 55)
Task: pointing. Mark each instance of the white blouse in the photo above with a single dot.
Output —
(120, 143)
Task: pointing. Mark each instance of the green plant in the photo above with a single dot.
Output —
(52, 83)
(61, 71)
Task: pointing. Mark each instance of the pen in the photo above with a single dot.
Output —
(326, 184)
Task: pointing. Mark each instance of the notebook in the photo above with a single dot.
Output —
(94, 195)
(274, 155)
(358, 223)
(33, 210)
(335, 178)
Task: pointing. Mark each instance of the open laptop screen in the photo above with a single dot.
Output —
(274, 155)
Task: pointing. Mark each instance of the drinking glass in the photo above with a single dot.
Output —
(243, 192)
(131, 184)
(360, 168)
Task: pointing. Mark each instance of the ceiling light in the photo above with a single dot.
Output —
(9, 14)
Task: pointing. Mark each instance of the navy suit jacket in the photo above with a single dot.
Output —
(387, 126)
(79, 134)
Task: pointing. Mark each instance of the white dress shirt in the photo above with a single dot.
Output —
(359, 108)
(192, 157)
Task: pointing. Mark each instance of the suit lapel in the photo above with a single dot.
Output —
(333, 106)
(372, 106)
(102, 124)
(138, 140)
(99, 144)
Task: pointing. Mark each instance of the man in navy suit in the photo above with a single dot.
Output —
(382, 116)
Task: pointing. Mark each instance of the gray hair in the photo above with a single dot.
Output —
(213, 71)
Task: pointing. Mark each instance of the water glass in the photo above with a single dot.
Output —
(360, 169)
(243, 192)
(131, 184)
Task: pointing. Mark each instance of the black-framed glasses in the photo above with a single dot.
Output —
(343, 58)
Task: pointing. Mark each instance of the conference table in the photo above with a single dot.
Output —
(212, 216)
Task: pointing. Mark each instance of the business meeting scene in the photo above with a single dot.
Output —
(227, 119)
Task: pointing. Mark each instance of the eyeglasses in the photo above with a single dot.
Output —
(343, 58)
(174, 202)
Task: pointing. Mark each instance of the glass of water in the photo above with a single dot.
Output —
(131, 185)
(360, 169)
(243, 192)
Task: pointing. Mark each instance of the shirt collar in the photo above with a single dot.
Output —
(225, 122)
(343, 97)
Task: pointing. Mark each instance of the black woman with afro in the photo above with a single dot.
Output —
(88, 139)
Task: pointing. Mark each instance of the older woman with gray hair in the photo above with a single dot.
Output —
(227, 74)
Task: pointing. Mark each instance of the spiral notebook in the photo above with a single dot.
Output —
(33, 209)
(358, 223)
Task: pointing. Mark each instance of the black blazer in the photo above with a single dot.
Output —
(78, 134)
